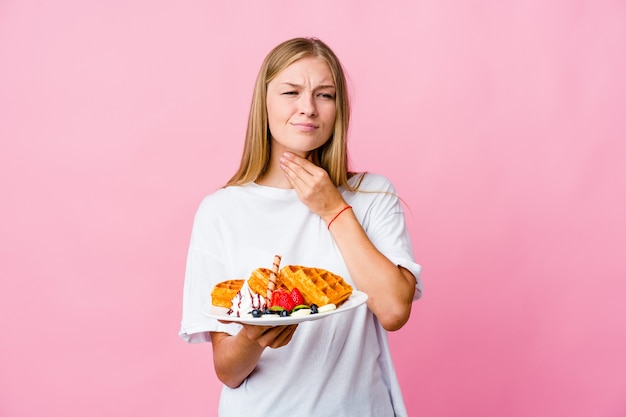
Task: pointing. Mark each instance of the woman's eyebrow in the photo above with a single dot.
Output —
(300, 86)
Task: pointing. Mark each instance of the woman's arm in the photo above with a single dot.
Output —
(390, 288)
(235, 357)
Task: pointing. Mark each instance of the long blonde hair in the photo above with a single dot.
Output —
(333, 155)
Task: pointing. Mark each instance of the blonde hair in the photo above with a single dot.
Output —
(333, 155)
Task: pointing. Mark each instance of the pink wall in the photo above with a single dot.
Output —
(501, 123)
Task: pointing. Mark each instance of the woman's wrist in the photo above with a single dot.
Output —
(337, 215)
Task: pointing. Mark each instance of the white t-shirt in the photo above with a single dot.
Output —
(337, 366)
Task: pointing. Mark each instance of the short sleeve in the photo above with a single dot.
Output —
(195, 325)
(384, 222)
(204, 269)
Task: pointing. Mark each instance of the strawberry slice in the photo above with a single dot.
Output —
(274, 300)
(297, 297)
(284, 300)
(275, 294)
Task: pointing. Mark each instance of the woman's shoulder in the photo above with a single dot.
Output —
(368, 181)
(221, 198)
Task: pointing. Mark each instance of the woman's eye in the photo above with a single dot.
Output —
(327, 96)
(290, 93)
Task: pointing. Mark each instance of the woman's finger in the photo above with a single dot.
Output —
(297, 169)
(283, 337)
(270, 336)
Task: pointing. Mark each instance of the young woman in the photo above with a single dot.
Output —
(294, 195)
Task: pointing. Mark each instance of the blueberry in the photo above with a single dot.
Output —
(313, 308)
(256, 313)
(284, 313)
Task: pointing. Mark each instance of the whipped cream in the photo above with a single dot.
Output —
(245, 301)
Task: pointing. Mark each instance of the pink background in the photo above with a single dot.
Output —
(501, 123)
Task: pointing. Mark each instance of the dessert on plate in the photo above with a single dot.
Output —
(291, 291)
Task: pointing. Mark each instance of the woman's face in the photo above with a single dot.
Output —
(301, 106)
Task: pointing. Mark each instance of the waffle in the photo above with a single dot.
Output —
(318, 286)
(224, 292)
(259, 280)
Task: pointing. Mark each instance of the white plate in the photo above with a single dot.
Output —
(356, 299)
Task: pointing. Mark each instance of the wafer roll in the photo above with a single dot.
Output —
(271, 285)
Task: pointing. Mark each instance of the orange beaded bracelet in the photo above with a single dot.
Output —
(337, 215)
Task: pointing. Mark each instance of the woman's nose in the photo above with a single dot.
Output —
(307, 105)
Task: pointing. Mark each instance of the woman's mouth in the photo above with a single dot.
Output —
(306, 127)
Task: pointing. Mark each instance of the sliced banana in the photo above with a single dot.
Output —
(326, 308)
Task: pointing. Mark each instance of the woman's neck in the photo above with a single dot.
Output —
(274, 175)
